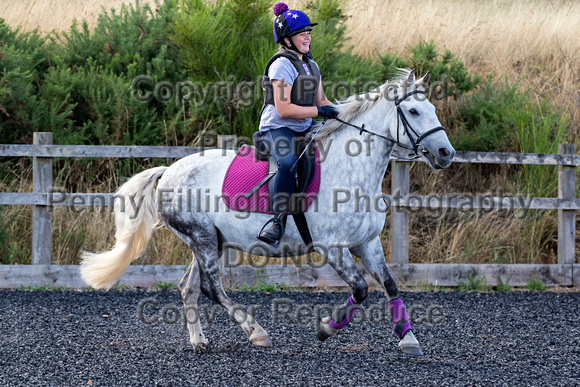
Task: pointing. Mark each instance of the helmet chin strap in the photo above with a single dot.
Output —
(294, 49)
(292, 46)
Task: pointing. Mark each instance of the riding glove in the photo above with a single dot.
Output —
(327, 111)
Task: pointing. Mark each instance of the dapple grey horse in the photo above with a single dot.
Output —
(395, 114)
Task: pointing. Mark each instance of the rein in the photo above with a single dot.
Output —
(416, 146)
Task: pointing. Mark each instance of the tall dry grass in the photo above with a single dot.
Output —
(535, 42)
(476, 236)
(47, 16)
(75, 228)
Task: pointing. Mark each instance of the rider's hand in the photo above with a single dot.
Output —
(328, 111)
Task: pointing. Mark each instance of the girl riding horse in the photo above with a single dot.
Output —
(294, 95)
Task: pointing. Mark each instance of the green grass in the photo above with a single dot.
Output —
(425, 286)
(474, 285)
(33, 287)
(165, 285)
(60, 288)
(536, 285)
(501, 287)
(261, 286)
(120, 287)
(540, 128)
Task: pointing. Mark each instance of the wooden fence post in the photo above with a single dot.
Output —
(566, 218)
(399, 215)
(229, 256)
(41, 215)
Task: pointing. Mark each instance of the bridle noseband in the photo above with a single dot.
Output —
(416, 146)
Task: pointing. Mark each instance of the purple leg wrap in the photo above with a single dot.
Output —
(350, 311)
(400, 318)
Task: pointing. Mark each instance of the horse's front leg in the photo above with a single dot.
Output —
(341, 260)
(372, 256)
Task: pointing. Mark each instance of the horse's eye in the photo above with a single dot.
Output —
(414, 112)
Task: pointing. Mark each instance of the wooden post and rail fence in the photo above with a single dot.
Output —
(41, 272)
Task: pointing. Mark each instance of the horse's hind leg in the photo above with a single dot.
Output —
(206, 253)
(372, 257)
(212, 287)
(190, 287)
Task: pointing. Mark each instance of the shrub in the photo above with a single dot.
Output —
(486, 117)
(540, 129)
(134, 40)
(446, 68)
(94, 70)
(99, 108)
(227, 41)
(22, 63)
(80, 91)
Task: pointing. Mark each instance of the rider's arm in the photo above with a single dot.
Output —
(282, 92)
(321, 97)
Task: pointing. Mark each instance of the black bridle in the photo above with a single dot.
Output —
(416, 146)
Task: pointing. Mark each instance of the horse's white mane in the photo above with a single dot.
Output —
(355, 105)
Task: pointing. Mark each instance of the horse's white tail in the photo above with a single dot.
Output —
(135, 218)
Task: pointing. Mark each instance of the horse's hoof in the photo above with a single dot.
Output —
(200, 344)
(413, 350)
(410, 345)
(321, 335)
(261, 341)
(323, 330)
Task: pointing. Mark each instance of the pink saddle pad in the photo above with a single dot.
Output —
(245, 172)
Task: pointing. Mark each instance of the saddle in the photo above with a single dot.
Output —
(248, 183)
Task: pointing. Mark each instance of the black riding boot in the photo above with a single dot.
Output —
(275, 232)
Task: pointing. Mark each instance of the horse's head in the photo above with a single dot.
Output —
(411, 123)
(417, 127)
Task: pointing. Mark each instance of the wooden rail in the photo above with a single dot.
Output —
(43, 198)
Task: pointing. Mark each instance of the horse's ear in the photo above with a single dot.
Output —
(411, 78)
(423, 82)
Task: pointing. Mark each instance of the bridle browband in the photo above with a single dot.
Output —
(416, 146)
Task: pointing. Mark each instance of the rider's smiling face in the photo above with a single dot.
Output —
(302, 41)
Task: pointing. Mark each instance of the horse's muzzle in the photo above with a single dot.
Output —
(440, 159)
(444, 157)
